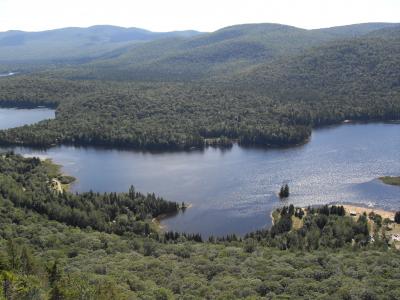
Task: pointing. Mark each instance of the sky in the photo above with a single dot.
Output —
(204, 15)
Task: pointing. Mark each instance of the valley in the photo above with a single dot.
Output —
(338, 164)
(147, 165)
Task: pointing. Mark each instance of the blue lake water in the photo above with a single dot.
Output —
(7, 74)
(235, 190)
(14, 117)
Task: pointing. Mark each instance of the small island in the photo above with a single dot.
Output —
(284, 191)
(392, 180)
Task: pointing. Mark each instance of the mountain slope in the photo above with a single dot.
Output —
(214, 53)
(272, 103)
(110, 52)
(367, 63)
(351, 31)
(74, 43)
(218, 53)
(361, 72)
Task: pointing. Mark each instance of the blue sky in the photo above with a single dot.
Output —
(205, 15)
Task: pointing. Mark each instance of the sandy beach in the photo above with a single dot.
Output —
(360, 210)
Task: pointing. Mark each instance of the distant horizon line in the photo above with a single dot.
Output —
(193, 30)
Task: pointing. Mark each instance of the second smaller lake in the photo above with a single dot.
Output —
(7, 74)
(15, 117)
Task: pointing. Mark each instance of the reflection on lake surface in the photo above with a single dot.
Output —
(235, 190)
(7, 74)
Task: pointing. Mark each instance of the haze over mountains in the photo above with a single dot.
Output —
(140, 54)
(253, 85)
(229, 48)
(259, 84)
(74, 43)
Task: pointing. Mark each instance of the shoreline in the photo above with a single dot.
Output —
(350, 209)
(181, 148)
(157, 220)
(390, 180)
(359, 209)
(55, 171)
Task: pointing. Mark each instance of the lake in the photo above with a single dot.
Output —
(235, 190)
(14, 117)
(7, 74)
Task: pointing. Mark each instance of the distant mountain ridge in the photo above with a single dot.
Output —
(259, 84)
(142, 49)
(75, 42)
(357, 29)
(216, 54)
(104, 32)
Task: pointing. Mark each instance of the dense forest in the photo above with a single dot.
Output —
(257, 84)
(151, 116)
(219, 53)
(26, 182)
(319, 253)
(115, 53)
(346, 73)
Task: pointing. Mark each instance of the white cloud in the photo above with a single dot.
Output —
(205, 15)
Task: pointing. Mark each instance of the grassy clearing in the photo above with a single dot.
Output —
(297, 223)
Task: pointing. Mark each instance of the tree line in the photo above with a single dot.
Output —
(44, 257)
(161, 116)
(25, 182)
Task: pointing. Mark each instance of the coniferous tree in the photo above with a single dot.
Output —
(291, 210)
(27, 263)
(56, 293)
(54, 274)
(7, 280)
(284, 191)
(12, 252)
(397, 217)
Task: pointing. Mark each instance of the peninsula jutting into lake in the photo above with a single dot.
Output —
(335, 165)
(392, 180)
(240, 160)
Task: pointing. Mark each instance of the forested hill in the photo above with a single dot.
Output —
(74, 44)
(115, 53)
(368, 61)
(97, 247)
(356, 30)
(362, 74)
(148, 116)
(274, 103)
(214, 54)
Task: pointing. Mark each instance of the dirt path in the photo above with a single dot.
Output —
(56, 185)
